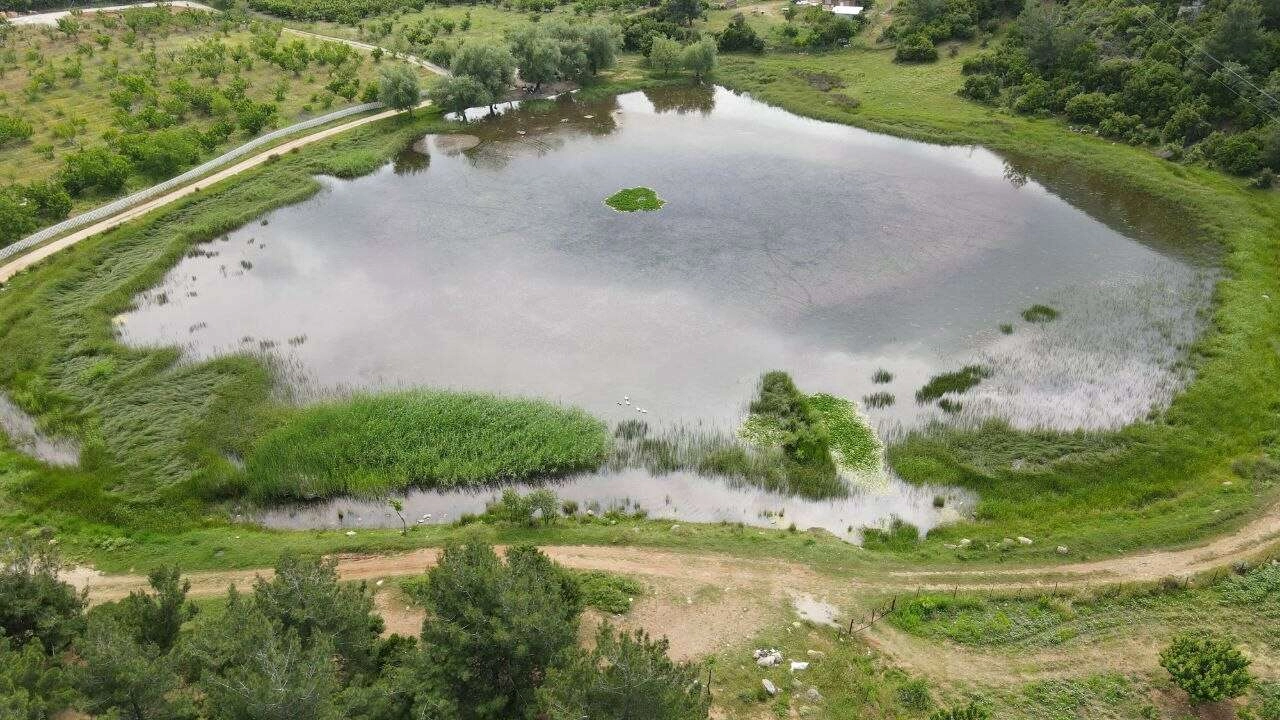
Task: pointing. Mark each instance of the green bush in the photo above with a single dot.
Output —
(738, 36)
(1091, 108)
(1239, 154)
(13, 129)
(917, 48)
(1208, 667)
(607, 592)
(981, 88)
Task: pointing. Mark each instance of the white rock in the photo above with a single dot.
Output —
(797, 665)
(1061, 550)
(769, 687)
(351, 533)
(816, 654)
(965, 542)
(379, 583)
(1024, 540)
(812, 695)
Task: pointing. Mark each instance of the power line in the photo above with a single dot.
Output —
(1242, 78)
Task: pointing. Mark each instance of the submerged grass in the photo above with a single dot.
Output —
(374, 444)
(953, 382)
(1039, 314)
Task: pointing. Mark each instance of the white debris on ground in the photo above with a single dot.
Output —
(767, 658)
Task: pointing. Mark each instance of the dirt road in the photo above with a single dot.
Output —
(1248, 541)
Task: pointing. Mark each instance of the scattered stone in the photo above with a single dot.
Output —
(965, 542)
(795, 624)
(769, 687)
(816, 654)
(798, 665)
(812, 695)
(1062, 550)
(351, 533)
(1024, 540)
(1007, 543)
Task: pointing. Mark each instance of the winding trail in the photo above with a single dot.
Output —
(1248, 542)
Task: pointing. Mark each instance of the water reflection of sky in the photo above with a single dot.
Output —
(786, 242)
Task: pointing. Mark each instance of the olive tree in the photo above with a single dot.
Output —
(491, 65)
(398, 87)
(665, 56)
(700, 58)
(457, 93)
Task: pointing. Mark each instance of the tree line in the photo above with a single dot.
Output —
(1201, 82)
(500, 642)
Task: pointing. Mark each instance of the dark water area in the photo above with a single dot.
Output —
(489, 262)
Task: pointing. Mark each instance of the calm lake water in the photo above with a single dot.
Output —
(491, 263)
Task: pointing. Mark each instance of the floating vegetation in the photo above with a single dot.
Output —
(1006, 328)
(854, 444)
(879, 400)
(952, 382)
(949, 406)
(633, 199)
(881, 376)
(1039, 314)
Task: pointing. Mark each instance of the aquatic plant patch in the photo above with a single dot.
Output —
(952, 382)
(1039, 314)
(635, 199)
(370, 444)
(853, 443)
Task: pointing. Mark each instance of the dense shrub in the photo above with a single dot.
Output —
(1239, 154)
(96, 168)
(915, 48)
(1098, 63)
(982, 88)
(738, 36)
(1209, 668)
(1091, 108)
(13, 129)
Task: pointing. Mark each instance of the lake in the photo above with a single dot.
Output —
(490, 262)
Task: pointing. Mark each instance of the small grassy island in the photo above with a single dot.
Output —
(634, 199)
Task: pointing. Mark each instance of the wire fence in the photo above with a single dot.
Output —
(195, 173)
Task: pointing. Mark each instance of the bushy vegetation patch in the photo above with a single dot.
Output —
(1039, 314)
(953, 382)
(899, 536)
(372, 444)
(635, 199)
(608, 592)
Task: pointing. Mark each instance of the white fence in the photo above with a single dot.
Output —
(195, 173)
